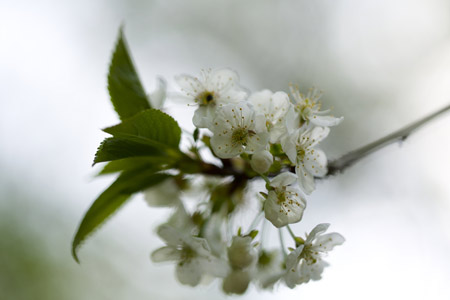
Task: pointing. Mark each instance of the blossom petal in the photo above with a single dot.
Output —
(257, 142)
(289, 148)
(280, 106)
(224, 148)
(283, 179)
(276, 132)
(326, 121)
(201, 118)
(319, 229)
(316, 162)
(317, 135)
(189, 84)
(327, 242)
(189, 272)
(170, 235)
(305, 179)
(215, 266)
(261, 101)
(166, 254)
(222, 79)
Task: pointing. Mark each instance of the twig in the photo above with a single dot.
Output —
(347, 160)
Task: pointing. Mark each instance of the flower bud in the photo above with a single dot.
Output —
(261, 161)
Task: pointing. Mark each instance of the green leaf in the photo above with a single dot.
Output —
(151, 127)
(117, 148)
(155, 163)
(112, 199)
(126, 91)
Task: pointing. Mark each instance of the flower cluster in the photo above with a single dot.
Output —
(270, 136)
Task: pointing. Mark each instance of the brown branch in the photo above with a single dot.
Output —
(339, 165)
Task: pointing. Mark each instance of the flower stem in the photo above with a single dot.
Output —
(283, 247)
(256, 221)
(291, 233)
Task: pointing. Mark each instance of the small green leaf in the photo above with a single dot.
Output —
(117, 148)
(151, 127)
(112, 199)
(155, 163)
(126, 91)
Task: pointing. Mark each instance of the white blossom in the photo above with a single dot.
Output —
(274, 106)
(237, 128)
(284, 204)
(307, 110)
(309, 161)
(261, 161)
(305, 262)
(192, 255)
(214, 89)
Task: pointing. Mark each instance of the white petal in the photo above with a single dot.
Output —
(189, 273)
(166, 254)
(215, 266)
(190, 85)
(276, 132)
(222, 79)
(257, 142)
(260, 123)
(317, 135)
(280, 106)
(316, 162)
(292, 275)
(261, 101)
(199, 245)
(172, 236)
(326, 121)
(202, 117)
(292, 120)
(313, 271)
(224, 148)
(319, 229)
(289, 148)
(305, 179)
(328, 241)
(283, 179)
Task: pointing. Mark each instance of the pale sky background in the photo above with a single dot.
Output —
(381, 65)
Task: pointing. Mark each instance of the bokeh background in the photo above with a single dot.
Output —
(381, 64)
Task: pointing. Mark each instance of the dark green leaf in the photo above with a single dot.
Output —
(155, 163)
(117, 148)
(151, 127)
(126, 91)
(113, 198)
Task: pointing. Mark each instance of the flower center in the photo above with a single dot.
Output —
(301, 153)
(187, 254)
(240, 136)
(205, 97)
(309, 255)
